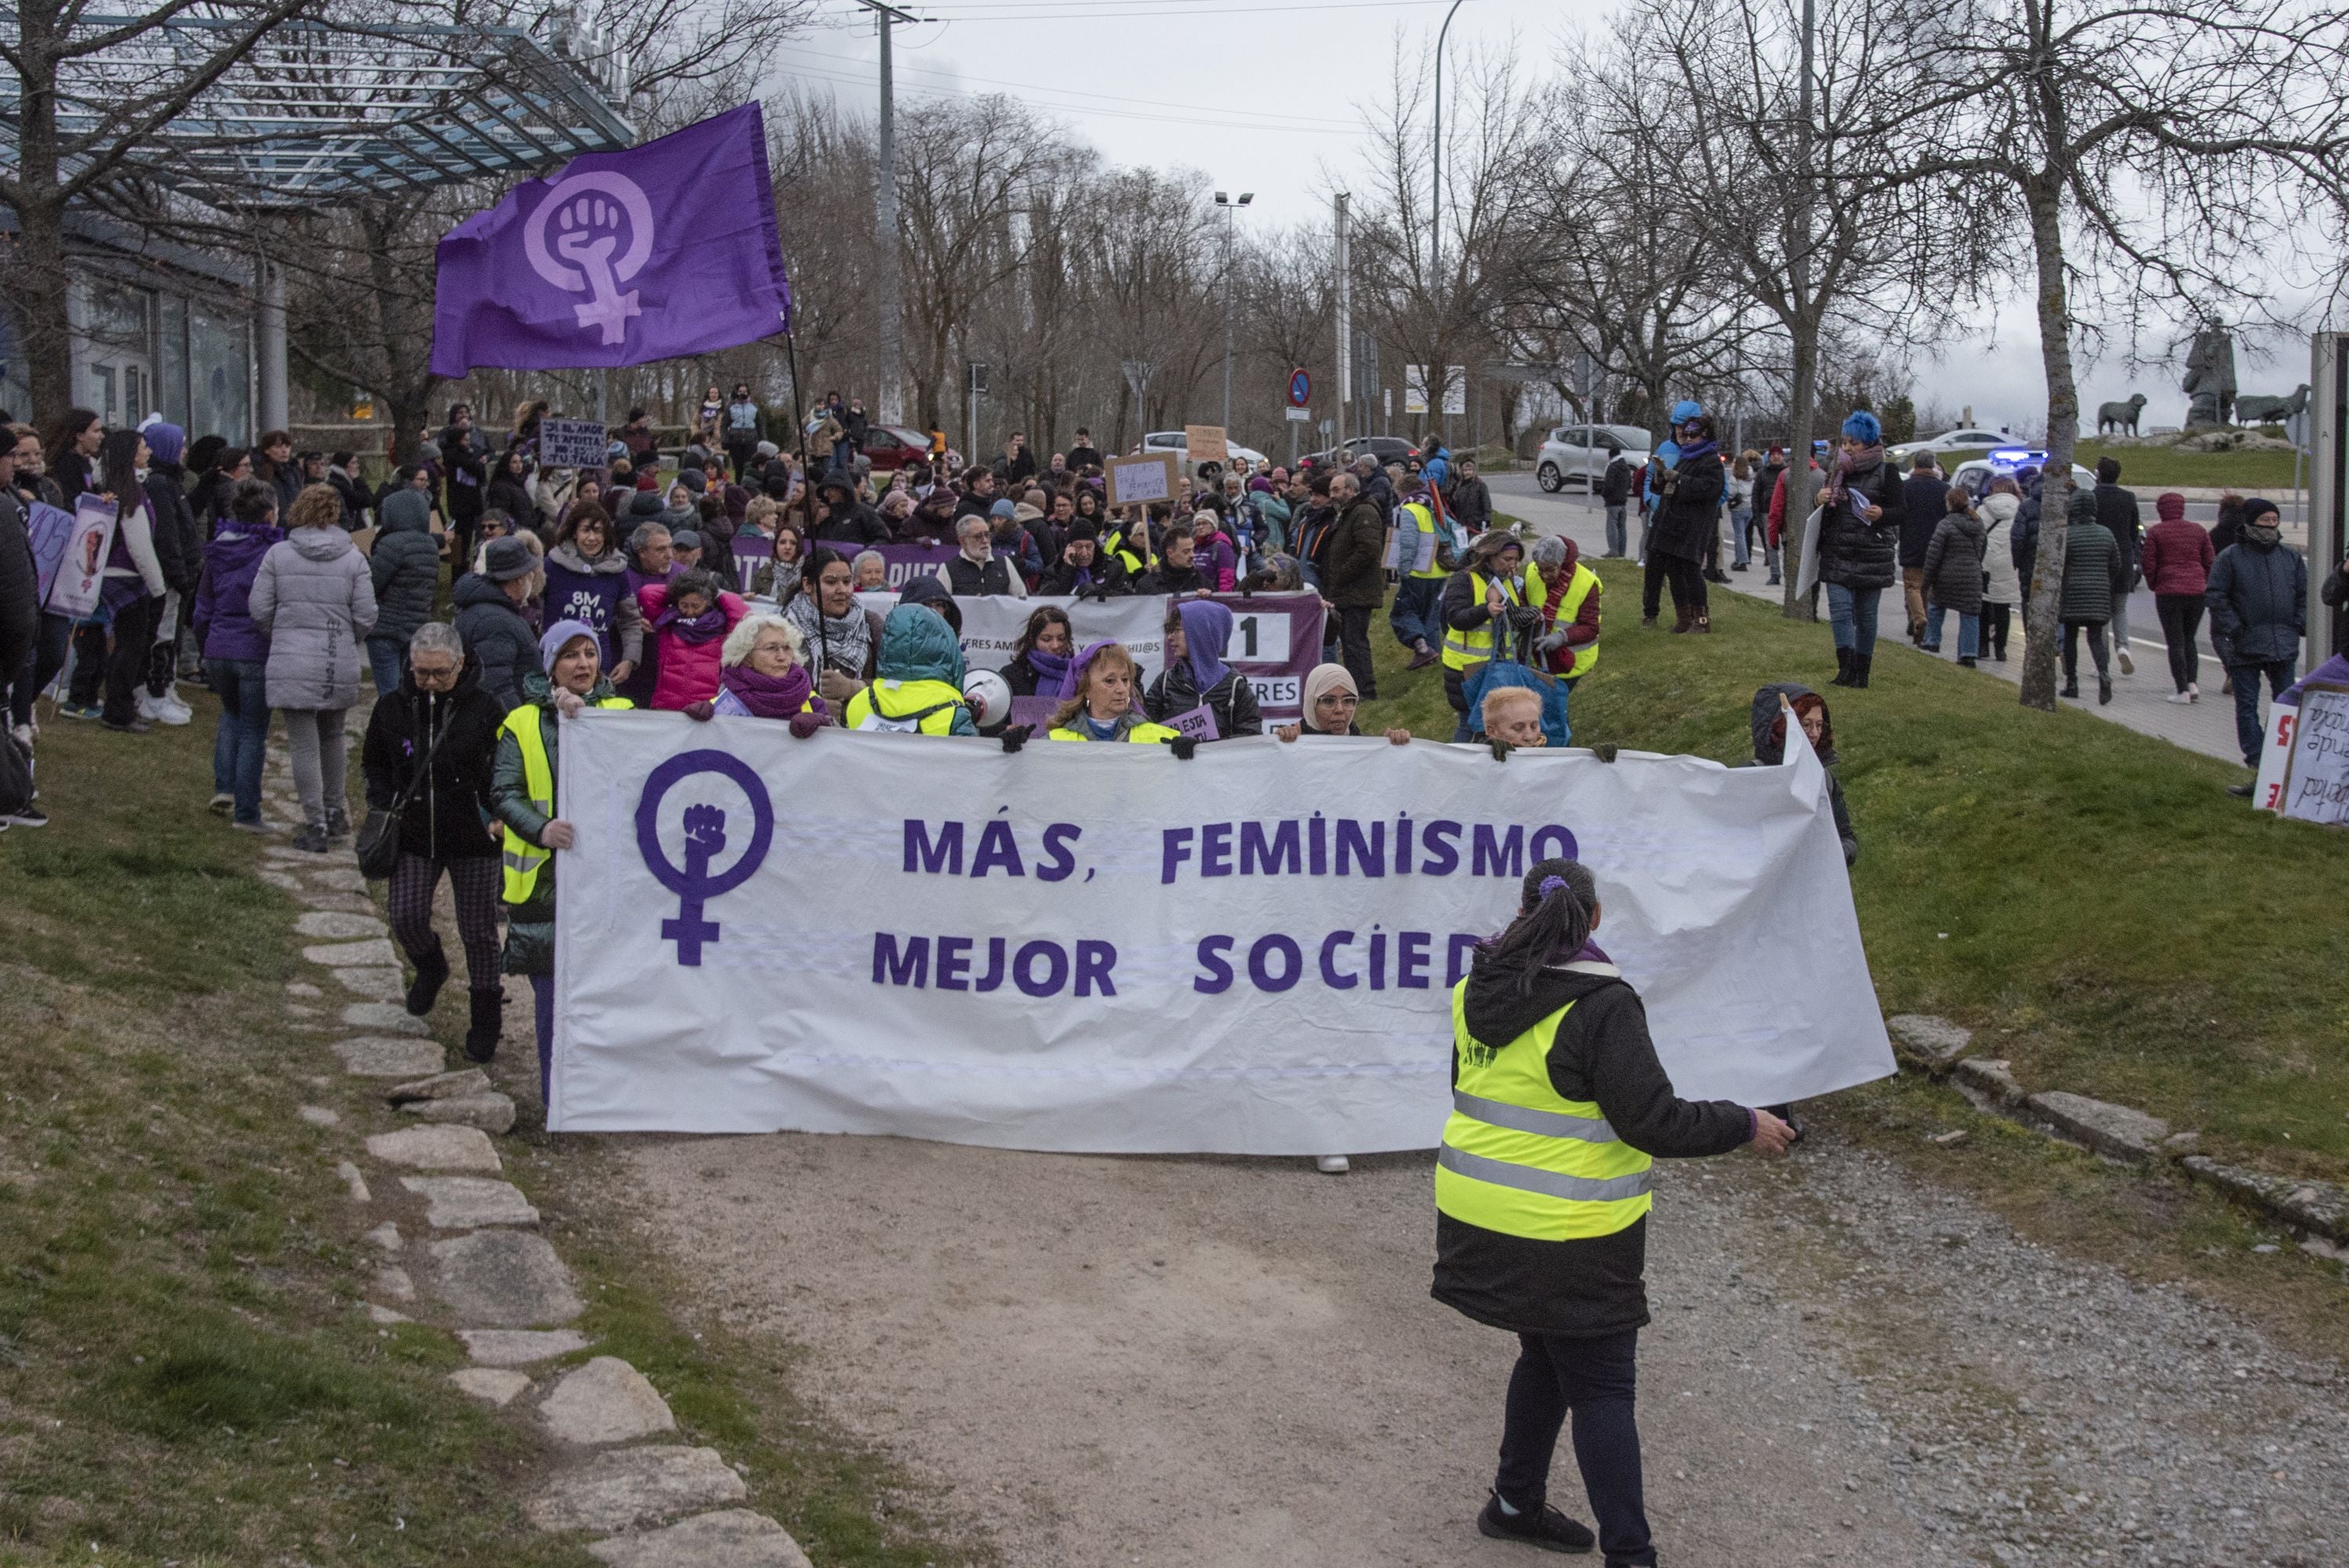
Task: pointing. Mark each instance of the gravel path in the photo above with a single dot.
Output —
(1207, 1362)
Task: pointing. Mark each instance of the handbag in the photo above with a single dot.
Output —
(377, 841)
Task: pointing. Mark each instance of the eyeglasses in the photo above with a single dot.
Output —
(432, 674)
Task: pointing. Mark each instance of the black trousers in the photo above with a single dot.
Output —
(126, 664)
(2097, 650)
(1687, 578)
(1997, 620)
(1596, 1380)
(1651, 588)
(2181, 621)
(1354, 646)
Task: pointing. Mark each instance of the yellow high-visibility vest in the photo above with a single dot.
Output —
(1422, 519)
(1144, 731)
(1462, 649)
(925, 706)
(1586, 582)
(1519, 1158)
(522, 857)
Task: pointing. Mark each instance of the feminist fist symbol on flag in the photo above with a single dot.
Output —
(594, 212)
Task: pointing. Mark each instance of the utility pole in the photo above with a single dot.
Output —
(890, 404)
(1231, 223)
(1345, 327)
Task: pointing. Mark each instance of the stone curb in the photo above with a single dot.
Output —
(2316, 1213)
(482, 1263)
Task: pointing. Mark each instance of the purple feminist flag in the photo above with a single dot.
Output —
(663, 250)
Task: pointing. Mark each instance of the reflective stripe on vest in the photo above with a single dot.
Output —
(1520, 1159)
(521, 858)
(1584, 584)
(1474, 646)
(908, 706)
(1141, 734)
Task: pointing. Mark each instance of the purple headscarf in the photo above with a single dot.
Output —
(1074, 681)
(1206, 633)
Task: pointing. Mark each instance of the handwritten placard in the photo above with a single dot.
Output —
(1198, 722)
(2316, 780)
(572, 443)
(1136, 480)
(1206, 444)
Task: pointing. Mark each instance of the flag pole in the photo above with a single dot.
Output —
(799, 422)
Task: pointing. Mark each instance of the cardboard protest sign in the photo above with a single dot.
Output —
(1206, 444)
(572, 444)
(2316, 779)
(80, 578)
(1151, 476)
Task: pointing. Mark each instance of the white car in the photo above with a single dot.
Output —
(1966, 440)
(1176, 442)
(1579, 454)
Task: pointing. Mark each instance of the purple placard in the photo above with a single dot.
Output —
(1198, 722)
(1275, 639)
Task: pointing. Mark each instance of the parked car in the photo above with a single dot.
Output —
(1970, 439)
(1975, 473)
(1579, 454)
(894, 447)
(1176, 442)
(1386, 449)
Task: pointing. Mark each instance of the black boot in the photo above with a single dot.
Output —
(2071, 686)
(489, 1016)
(2104, 688)
(432, 974)
(1859, 663)
(1843, 668)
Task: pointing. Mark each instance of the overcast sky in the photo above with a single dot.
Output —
(1267, 96)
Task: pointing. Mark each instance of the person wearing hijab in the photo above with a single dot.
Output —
(1196, 675)
(1331, 703)
(1097, 700)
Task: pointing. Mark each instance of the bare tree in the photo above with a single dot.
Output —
(2169, 142)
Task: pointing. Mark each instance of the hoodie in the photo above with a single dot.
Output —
(313, 600)
(598, 592)
(404, 566)
(1770, 749)
(1599, 1051)
(224, 625)
(499, 635)
(916, 645)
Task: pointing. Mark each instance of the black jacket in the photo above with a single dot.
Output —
(20, 608)
(1854, 552)
(1615, 485)
(178, 548)
(1166, 579)
(1770, 749)
(1471, 503)
(1925, 497)
(1232, 700)
(966, 576)
(499, 637)
(1953, 562)
(1601, 1052)
(464, 459)
(1690, 519)
(2117, 510)
(447, 818)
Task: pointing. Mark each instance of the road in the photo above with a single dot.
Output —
(2208, 726)
(1195, 1363)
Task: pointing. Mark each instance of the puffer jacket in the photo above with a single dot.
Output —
(179, 545)
(1854, 552)
(689, 670)
(530, 925)
(917, 645)
(498, 633)
(405, 565)
(2259, 602)
(2003, 585)
(312, 601)
(2095, 575)
(447, 818)
(1232, 700)
(2177, 557)
(222, 617)
(1689, 520)
(1953, 563)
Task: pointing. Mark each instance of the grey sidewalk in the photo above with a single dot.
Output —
(2207, 726)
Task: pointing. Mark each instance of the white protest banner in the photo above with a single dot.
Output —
(573, 444)
(80, 580)
(1151, 476)
(1107, 947)
(992, 623)
(2316, 783)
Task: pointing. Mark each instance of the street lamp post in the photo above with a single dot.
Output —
(1231, 217)
(1436, 164)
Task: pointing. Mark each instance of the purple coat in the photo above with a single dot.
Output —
(225, 628)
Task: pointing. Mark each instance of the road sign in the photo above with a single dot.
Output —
(1302, 416)
(1300, 389)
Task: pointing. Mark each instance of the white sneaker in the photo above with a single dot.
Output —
(148, 707)
(2128, 665)
(173, 710)
(1331, 1164)
(26, 735)
(2193, 691)
(2177, 696)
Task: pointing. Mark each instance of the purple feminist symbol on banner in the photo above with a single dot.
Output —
(705, 840)
(597, 212)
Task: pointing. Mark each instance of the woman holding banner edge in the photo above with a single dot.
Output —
(1559, 1110)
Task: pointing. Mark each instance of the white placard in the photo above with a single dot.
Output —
(572, 444)
(2316, 783)
(1110, 947)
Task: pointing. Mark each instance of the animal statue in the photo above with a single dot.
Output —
(2120, 415)
(2257, 408)
(2210, 381)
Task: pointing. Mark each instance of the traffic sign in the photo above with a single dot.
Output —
(1300, 389)
(1302, 416)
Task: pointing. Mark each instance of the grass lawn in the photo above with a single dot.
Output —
(2088, 899)
(2149, 469)
(186, 1374)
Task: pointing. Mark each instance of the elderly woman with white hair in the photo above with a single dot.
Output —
(431, 751)
(762, 674)
(870, 571)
